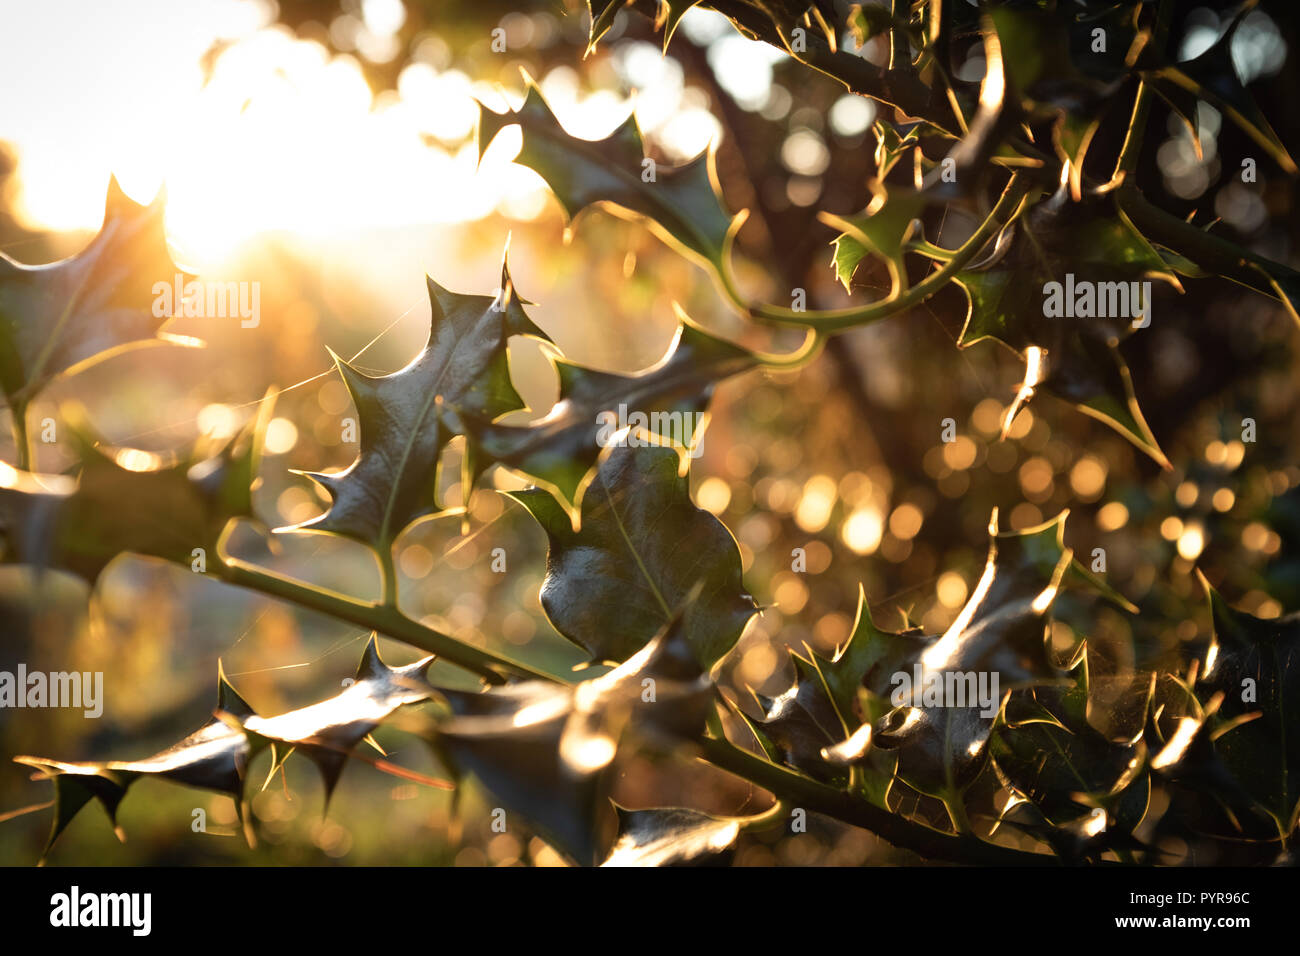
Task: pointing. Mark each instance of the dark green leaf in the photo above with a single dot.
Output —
(802, 722)
(667, 400)
(63, 316)
(1074, 841)
(881, 229)
(642, 546)
(1064, 767)
(1076, 358)
(547, 752)
(392, 482)
(683, 203)
(1255, 664)
(1000, 633)
(868, 658)
(328, 731)
(1211, 76)
(214, 757)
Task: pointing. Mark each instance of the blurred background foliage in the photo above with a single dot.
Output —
(327, 152)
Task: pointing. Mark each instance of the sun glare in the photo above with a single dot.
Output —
(285, 137)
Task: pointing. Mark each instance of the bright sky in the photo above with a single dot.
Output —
(285, 137)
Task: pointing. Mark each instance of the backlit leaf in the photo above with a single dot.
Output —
(641, 548)
(392, 482)
(682, 203)
(63, 316)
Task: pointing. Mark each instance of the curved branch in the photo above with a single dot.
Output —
(1007, 208)
(384, 618)
(796, 790)
(1209, 252)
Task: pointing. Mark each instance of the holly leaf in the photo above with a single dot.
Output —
(868, 658)
(1212, 76)
(1065, 767)
(602, 13)
(393, 480)
(1205, 795)
(1001, 632)
(940, 750)
(672, 836)
(894, 141)
(683, 204)
(1002, 626)
(1083, 257)
(1069, 65)
(1255, 664)
(1051, 58)
(849, 253)
(670, 15)
(214, 757)
(547, 752)
(881, 229)
(328, 731)
(641, 547)
(666, 401)
(1083, 838)
(997, 639)
(61, 317)
(802, 722)
(128, 500)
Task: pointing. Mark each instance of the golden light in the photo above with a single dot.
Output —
(905, 522)
(416, 561)
(296, 505)
(135, 459)
(713, 495)
(816, 503)
(1255, 535)
(281, 436)
(1088, 477)
(758, 664)
(959, 454)
(863, 530)
(263, 145)
(1191, 542)
(1268, 609)
(1179, 741)
(1112, 516)
(588, 754)
(218, 421)
(938, 653)
(1044, 599)
(1021, 424)
(951, 589)
(1024, 515)
(1036, 478)
(831, 630)
(781, 494)
(790, 592)
(987, 417)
